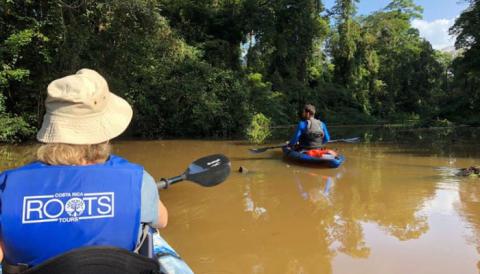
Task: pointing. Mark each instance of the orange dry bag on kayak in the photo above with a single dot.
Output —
(318, 153)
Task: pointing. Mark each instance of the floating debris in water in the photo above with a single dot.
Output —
(243, 169)
(473, 170)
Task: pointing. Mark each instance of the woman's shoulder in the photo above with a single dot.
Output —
(147, 177)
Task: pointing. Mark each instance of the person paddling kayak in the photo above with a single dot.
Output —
(311, 132)
(77, 194)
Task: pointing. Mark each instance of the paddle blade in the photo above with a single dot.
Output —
(258, 150)
(209, 170)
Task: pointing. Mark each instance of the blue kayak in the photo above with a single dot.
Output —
(170, 261)
(327, 160)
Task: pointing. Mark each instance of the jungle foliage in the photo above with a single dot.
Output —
(203, 68)
(259, 129)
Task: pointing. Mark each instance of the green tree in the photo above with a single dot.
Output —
(408, 72)
(466, 67)
(344, 43)
(215, 27)
(287, 34)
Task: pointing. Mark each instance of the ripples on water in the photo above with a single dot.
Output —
(395, 205)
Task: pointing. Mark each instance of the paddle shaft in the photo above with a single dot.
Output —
(164, 183)
(263, 149)
(274, 147)
(349, 140)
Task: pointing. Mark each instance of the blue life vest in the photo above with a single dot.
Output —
(48, 210)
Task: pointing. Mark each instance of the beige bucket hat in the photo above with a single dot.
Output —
(81, 110)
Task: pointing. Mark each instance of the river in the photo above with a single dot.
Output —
(394, 206)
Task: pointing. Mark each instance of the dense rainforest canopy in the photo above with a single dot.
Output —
(204, 68)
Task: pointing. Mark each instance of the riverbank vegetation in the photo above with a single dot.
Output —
(205, 68)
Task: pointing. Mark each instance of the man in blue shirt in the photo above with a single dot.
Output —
(311, 132)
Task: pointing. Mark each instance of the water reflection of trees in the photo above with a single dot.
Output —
(446, 141)
(386, 197)
(469, 208)
(344, 235)
(286, 239)
(330, 216)
(371, 194)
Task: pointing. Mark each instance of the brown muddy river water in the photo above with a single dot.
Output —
(394, 206)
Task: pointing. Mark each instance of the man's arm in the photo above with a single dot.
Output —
(302, 125)
(326, 135)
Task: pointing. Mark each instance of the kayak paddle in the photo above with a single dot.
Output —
(348, 140)
(263, 149)
(207, 171)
